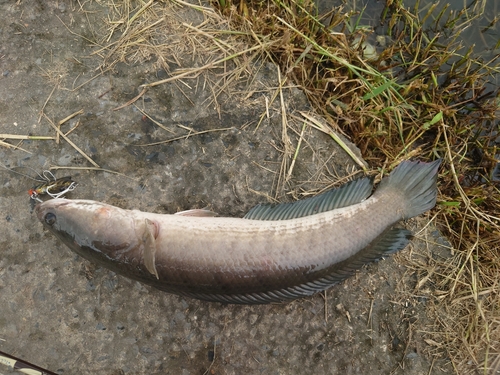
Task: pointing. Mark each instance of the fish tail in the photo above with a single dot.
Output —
(416, 182)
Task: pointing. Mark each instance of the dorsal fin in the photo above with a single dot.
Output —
(351, 193)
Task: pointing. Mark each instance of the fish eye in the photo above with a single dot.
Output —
(50, 218)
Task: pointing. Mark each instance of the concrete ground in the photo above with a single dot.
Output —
(65, 314)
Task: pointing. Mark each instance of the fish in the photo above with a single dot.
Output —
(275, 253)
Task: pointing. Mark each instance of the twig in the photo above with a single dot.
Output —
(197, 7)
(209, 36)
(318, 125)
(213, 359)
(8, 145)
(284, 132)
(153, 120)
(66, 119)
(78, 35)
(71, 143)
(131, 101)
(290, 170)
(47, 100)
(30, 137)
(184, 136)
(370, 321)
(325, 302)
(56, 167)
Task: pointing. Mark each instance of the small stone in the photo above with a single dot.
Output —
(412, 355)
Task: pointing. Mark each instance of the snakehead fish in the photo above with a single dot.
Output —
(275, 253)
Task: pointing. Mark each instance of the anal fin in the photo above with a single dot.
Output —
(388, 242)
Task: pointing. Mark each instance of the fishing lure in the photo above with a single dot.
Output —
(52, 186)
(48, 184)
(55, 188)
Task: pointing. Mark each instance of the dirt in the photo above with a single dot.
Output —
(72, 317)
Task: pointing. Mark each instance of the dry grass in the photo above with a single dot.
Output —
(424, 97)
(139, 31)
(417, 97)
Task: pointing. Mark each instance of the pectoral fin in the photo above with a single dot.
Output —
(149, 246)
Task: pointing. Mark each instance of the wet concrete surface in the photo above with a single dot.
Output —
(72, 317)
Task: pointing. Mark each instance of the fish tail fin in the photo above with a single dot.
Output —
(416, 181)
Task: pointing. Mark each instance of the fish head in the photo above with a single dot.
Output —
(101, 233)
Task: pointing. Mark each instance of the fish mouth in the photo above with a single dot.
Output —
(40, 211)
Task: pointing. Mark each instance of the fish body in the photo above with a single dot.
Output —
(275, 253)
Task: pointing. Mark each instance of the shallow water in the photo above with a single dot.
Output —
(483, 36)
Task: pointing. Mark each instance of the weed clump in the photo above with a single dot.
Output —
(412, 90)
